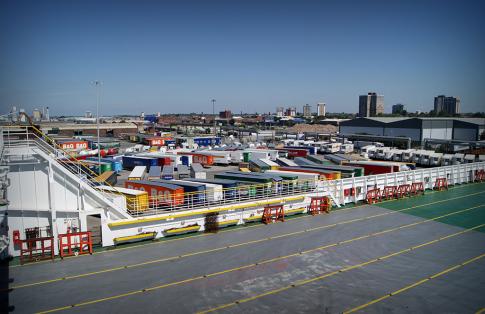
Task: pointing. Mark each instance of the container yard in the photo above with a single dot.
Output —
(272, 226)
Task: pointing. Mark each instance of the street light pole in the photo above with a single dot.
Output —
(98, 85)
(214, 114)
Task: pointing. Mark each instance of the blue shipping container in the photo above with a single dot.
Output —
(129, 162)
(197, 189)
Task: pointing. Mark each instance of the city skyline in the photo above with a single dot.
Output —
(251, 56)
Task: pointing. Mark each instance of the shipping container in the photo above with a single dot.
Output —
(281, 161)
(183, 172)
(272, 165)
(94, 166)
(160, 193)
(305, 180)
(153, 141)
(295, 152)
(311, 149)
(168, 173)
(154, 173)
(375, 167)
(302, 161)
(266, 183)
(138, 173)
(203, 159)
(345, 171)
(323, 174)
(257, 165)
(130, 162)
(115, 165)
(229, 186)
(261, 153)
(262, 183)
(329, 159)
(136, 200)
(213, 192)
(220, 157)
(72, 144)
(276, 181)
(207, 140)
(194, 192)
(197, 171)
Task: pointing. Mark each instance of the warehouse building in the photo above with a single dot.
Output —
(418, 129)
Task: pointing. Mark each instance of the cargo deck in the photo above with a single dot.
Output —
(376, 258)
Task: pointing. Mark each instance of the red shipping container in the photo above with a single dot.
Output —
(295, 152)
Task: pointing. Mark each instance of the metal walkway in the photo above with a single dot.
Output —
(350, 259)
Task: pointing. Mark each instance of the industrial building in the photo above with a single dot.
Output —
(418, 129)
(77, 129)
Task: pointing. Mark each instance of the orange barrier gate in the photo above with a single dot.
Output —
(389, 192)
(417, 188)
(273, 213)
(76, 243)
(319, 205)
(373, 196)
(441, 184)
(36, 249)
(403, 190)
(479, 175)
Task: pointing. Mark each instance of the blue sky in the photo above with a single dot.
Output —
(174, 56)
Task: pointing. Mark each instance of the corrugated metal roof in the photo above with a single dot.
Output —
(479, 121)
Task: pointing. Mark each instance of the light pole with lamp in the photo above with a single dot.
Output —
(97, 84)
(214, 117)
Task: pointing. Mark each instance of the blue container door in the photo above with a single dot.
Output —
(185, 160)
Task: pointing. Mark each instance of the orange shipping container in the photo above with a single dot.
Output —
(159, 193)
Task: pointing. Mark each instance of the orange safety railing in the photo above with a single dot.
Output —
(373, 196)
(76, 243)
(441, 184)
(36, 249)
(417, 188)
(319, 205)
(389, 192)
(273, 213)
(403, 190)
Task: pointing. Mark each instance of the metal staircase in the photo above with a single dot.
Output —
(24, 142)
